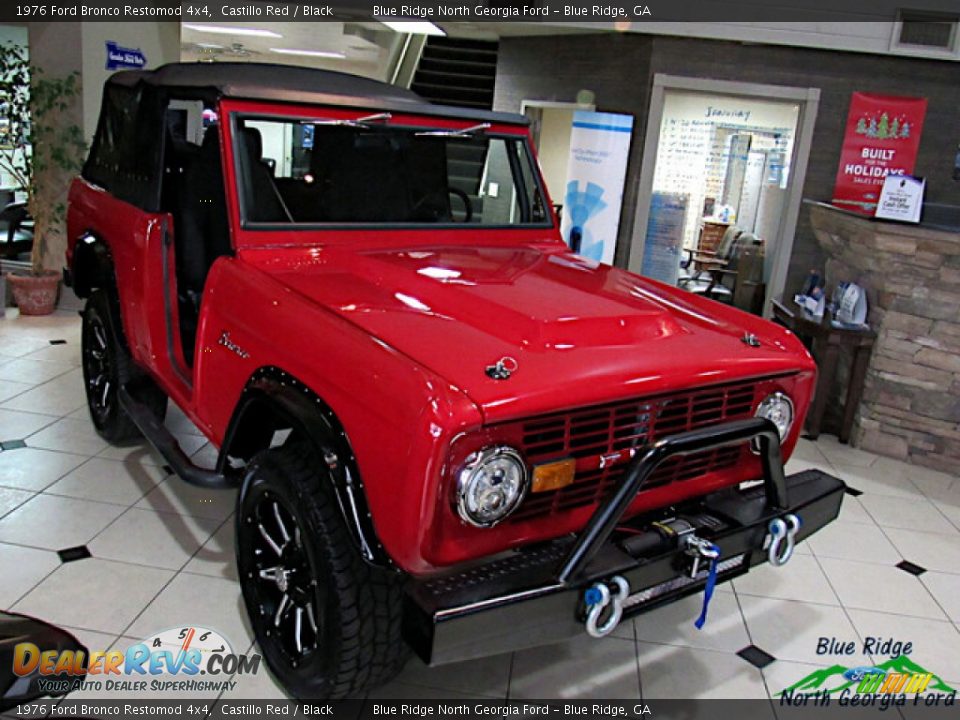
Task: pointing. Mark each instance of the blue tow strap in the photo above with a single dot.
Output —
(708, 590)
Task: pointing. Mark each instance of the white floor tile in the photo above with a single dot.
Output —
(876, 587)
(177, 422)
(945, 590)
(878, 482)
(122, 483)
(60, 396)
(130, 587)
(259, 686)
(16, 345)
(23, 568)
(400, 691)
(175, 495)
(669, 672)
(838, 453)
(16, 425)
(10, 389)
(141, 453)
(11, 498)
(31, 371)
(72, 436)
(55, 523)
(217, 557)
(69, 354)
(93, 640)
(201, 601)
(800, 579)
(853, 541)
(487, 676)
(164, 540)
(673, 624)
(580, 668)
(934, 551)
(783, 674)
(791, 630)
(927, 480)
(34, 469)
(809, 451)
(852, 511)
(907, 513)
(934, 643)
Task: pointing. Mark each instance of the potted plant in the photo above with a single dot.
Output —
(41, 150)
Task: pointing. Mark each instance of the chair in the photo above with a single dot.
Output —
(734, 275)
(699, 262)
(17, 239)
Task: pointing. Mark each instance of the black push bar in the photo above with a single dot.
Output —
(608, 515)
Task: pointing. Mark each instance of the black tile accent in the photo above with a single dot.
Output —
(168, 470)
(911, 568)
(853, 491)
(79, 552)
(58, 342)
(756, 657)
(12, 444)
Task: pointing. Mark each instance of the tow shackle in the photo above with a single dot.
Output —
(782, 539)
(598, 597)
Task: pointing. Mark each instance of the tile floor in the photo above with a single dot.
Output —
(162, 556)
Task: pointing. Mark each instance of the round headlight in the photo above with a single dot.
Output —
(778, 409)
(491, 486)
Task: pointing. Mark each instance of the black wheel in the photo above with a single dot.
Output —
(107, 365)
(327, 623)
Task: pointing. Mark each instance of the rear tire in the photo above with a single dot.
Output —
(328, 623)
(106, 366)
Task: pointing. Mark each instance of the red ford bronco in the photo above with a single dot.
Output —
(448, 432)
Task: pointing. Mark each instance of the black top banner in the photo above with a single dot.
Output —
(553, 11)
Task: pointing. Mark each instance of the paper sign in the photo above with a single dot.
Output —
(901, 198)
(882, 138)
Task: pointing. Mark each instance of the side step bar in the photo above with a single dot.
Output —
(166, 444)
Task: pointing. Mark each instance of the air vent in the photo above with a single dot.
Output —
(927, 30)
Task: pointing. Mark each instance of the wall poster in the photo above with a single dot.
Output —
(882, 138)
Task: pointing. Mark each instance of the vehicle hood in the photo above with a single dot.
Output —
(578, 330)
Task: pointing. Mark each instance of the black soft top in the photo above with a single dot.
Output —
(287, 83)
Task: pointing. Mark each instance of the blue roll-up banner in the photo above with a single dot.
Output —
(661, 251)
(597, 169)
(120, 58)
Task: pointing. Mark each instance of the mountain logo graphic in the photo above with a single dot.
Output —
(897, 675)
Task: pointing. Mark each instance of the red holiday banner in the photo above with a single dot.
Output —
(882, 138)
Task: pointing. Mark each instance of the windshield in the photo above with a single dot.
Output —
(341, 173)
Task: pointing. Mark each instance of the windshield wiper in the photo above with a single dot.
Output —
(465, 132)
(360, 122)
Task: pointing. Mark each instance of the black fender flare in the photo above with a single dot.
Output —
(92, 265)
(274, 400)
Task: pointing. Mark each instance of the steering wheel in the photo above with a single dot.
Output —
(468, 206)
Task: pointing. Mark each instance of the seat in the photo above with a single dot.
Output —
(201, 233)
(263, 202)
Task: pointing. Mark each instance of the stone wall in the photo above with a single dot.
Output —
(911, 403)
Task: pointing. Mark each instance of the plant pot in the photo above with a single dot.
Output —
(35, 294)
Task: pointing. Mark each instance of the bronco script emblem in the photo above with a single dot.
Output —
(231, 345)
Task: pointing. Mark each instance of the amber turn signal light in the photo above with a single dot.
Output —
(553, 475)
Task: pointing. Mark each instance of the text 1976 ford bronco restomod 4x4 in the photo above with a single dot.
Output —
(449, 432)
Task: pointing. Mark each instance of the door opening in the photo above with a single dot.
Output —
(721, 185)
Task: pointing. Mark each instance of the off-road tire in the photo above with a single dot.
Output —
(102, 335)
(359, 644)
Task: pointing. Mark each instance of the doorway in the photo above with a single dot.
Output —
(719, 201)
(551, 125)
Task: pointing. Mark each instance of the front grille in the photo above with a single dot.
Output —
(591, 433)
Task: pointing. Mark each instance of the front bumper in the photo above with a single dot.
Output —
(535, 596)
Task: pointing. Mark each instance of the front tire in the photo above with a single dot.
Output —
(106, 366)
(328, 624)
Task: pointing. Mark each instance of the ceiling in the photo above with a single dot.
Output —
(369, 48)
